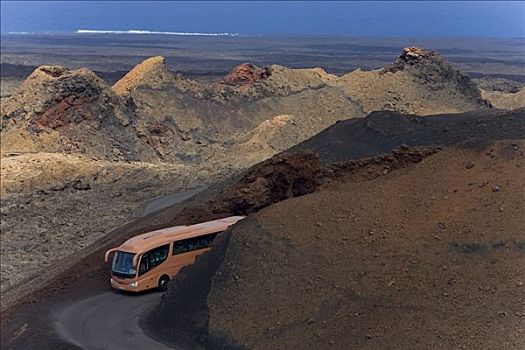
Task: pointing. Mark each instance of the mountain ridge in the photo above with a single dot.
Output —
(152, 114)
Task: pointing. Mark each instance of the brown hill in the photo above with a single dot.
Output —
(427, 256)
(152, 72)
(271, 137)
(362, 213)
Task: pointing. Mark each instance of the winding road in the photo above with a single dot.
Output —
(110, 320)
(171, 199)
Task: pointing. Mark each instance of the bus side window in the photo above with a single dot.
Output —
(203, 242)
(153, 258)
(180, 247)
(194, 243)
(207, 240)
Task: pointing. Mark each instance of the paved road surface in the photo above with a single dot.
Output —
(171, 199)
(108, 321)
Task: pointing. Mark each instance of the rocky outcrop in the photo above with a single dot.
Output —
(70, 111)
(55, 97)
(434, 70)
(412, 56)
(246, 73)
(419, 82)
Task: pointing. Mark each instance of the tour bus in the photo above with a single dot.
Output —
(160, 254)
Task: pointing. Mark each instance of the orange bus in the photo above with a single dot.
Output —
(160, 254)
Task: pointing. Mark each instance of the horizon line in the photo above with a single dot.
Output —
(227, 34)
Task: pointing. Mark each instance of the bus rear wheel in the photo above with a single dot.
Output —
(163, 283)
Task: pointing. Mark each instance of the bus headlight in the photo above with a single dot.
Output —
(133, 284)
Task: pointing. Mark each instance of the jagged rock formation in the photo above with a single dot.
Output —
(434, 70)
(153, 114)
(58, 110)
(419, 82)
(246, 73)
(185, 120)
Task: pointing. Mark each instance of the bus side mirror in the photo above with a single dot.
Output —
(106, 256)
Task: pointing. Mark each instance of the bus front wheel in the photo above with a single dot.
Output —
(163, 283)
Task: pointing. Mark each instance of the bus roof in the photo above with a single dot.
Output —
(150, 240)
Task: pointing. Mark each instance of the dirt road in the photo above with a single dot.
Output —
(107, 321)
(166, 201)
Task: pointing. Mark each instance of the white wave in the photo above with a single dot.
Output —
(91, 31)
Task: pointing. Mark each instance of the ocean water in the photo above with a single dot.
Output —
(359, 18)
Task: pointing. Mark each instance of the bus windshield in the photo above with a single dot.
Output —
(123, 264)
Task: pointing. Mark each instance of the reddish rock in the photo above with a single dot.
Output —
(246, 73)
(70, 110)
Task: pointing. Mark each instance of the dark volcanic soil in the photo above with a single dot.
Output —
(381, 132)
(430, 256)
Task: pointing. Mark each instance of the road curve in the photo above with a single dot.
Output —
(166, 201)
(108, 321)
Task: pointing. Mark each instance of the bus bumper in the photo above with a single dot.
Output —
(131, 287)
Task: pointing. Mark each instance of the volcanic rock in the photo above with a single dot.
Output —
(246, 73)
(152, 114)
(419, 82)
(61, 110)
(505, 100)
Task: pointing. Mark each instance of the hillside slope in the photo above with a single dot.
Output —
(381, 132)
(183, 119)
(353, 220)
(429, 256)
